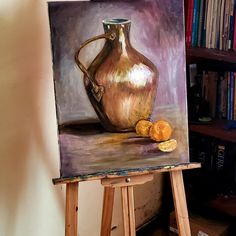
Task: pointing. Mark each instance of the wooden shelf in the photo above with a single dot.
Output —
(216, 129)
(225, 205)
(211, 54)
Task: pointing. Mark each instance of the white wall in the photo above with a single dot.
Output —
(29, 203)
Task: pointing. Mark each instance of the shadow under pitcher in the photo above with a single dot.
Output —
(121, 83)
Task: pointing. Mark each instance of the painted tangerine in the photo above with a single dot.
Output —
(161, 130)
(142, 128)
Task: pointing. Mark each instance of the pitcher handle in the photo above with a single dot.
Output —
(97, 90)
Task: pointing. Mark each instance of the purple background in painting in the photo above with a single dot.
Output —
(157, 31)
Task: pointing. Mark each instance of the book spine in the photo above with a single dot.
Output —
(221, 36)
(200, 25)
(220, 157)
(217, 37)
(189, 19)
(193, 23)
(228, 95)
(205, 24)
(219, 98)
(209, 25)
(231, 24)
(214, 21)
(226, 25)
(231, 95)
(234, 107)
(234, 30)
(224, 96)
(197, 23)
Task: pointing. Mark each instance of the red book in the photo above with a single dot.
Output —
(189, 21)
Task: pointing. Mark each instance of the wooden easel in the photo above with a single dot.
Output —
(126, 184)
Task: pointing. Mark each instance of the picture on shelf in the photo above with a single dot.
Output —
(119, 79)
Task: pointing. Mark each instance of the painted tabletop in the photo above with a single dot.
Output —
(112, 152)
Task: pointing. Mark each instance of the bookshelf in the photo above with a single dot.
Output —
(217, 60)
(197, 54)
(216, 129)
(216, 185)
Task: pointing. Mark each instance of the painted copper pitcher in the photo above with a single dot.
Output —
(121, 83)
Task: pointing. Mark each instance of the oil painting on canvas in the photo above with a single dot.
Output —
(119, 77)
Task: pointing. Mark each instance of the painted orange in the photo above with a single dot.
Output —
(161, 130)
(143, 127)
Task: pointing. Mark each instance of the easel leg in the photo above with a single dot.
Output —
(71, 209)
(127, 196)
(181, 210)
(108, 200)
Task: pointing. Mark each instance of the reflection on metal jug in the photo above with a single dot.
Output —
(121, 83)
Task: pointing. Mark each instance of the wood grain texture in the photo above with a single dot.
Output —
(179, 197)
(127, 197)
(71, 220)
(125, 210)
(108, 201)
(129, 181)
(131, 210)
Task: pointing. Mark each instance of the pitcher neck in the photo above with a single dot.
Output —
(121, 28)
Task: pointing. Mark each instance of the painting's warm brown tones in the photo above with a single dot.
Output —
(121, 83)
(136, 72)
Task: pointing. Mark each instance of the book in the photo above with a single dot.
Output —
(214, 24)
(209, 23)
(231, 95)
(189, 20)
(224, 94)
(228, 95)
(220, 156)
(221, 36)
(192, 74)
(234, 107)
(226, 25)
(219, 95)
(231, 24)
(234, 29)
(205, 81)
(200, 22)
(205, 24)
(212, 89)
(217, 33)
(195, 23)
(225, 164)
(205, 152)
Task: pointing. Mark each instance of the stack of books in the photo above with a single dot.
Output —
(219, 89)
(211, 24)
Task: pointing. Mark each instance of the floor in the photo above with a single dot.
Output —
(155, 232)
(156, 228)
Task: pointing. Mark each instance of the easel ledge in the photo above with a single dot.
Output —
(126, 183)
(184, 166)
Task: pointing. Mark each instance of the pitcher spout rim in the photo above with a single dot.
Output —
(116, 21)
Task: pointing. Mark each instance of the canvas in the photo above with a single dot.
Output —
(134, 70)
